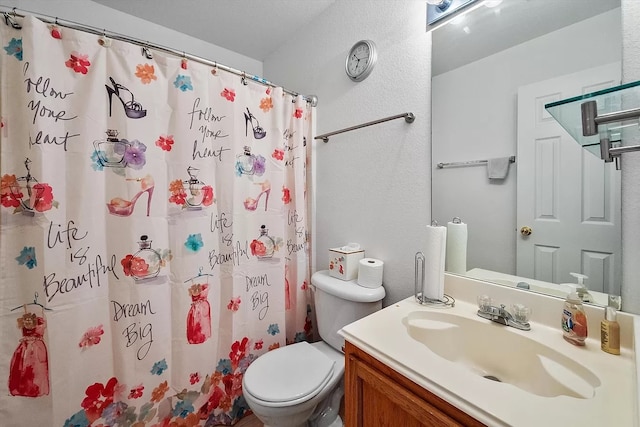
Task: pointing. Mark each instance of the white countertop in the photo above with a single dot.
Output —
(384, 336)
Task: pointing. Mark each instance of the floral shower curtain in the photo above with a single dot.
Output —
(153, 232)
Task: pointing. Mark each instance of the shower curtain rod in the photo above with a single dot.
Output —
(12, 12)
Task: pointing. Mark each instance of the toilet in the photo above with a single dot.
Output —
(301, 384)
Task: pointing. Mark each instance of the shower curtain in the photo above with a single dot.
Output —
(154, 232)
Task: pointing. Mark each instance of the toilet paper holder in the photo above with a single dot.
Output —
(447, 301)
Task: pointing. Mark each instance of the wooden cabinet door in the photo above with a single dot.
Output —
(377, 396)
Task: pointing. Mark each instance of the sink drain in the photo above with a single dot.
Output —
(492, 378)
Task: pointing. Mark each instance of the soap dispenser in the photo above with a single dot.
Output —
(574, 318)
(582, 291)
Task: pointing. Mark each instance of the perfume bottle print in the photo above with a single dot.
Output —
(264, 246)
(191, 194)
(111, 151)
(25, 194)
(249, 164)
(132, 109)
(144, 264)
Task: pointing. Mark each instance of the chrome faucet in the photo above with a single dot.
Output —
(519, 320)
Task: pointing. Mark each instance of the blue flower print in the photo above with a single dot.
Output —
(159, 367)
(273, 329)
(183, 83)
(183, 408)
(96, 163)
(79, 419)
(14, 48)
(194, 242)
(224, 366)
(27, 257)
(117, 413)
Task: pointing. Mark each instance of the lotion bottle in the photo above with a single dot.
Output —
(610, 332)
(574, 319)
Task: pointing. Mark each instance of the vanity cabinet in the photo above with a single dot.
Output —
(376, 395)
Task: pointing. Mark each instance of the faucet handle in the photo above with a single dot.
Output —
(521, 313)
(484, 302)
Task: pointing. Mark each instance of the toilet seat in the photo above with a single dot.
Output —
(291, 375)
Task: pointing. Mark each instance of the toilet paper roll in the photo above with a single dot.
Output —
(434, 255)
(370, 272)
(456, 258)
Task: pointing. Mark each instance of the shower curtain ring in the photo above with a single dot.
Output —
(244, 79)
(214, 71)
(103, 40)
(183, 62)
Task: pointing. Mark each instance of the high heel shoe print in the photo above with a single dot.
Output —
(132, 109)
(251, 204)
(258, 132)
(121, 207)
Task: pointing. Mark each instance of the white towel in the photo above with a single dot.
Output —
(498, 168)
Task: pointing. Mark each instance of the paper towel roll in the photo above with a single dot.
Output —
(434, 255)
(370, 272)
(456, 259)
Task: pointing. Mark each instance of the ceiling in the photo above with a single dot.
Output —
(256, 28)
(253, 28)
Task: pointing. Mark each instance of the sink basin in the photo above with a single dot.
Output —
(498, 353)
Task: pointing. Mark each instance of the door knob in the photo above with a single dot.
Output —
(526, 231)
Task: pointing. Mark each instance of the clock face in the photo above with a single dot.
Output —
(361, 60)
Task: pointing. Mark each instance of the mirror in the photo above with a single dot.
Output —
(492, 72)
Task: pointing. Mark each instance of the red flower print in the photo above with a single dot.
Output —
(304, 286)
(97, 398)
(10, 193)
(298, 113)
(136, 392)
(78, 62)
(158, 393)
(278, 154)
(42, 197)
(207, 197)
(268, 91)
(238, 351)
(134, 266)
(165, 142)
(178, 193)
(233, 385)
(258, 248)
(286, 195)
(258, 345)
(229, 94)
(91, 337)
(146, 73)
(194, 378)
(234, 304)
(266, 104)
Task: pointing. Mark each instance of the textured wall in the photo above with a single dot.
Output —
(631, 166)
(373, 184)
(96, 15)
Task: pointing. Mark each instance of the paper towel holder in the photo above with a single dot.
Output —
(447, 301)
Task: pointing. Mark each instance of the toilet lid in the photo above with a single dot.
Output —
(288, 373)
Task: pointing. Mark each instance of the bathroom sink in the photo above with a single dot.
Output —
(499, 353)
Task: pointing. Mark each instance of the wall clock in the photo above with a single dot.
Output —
(361, 60)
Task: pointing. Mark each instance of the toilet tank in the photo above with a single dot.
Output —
(339, 302)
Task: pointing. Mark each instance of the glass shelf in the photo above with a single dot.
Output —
(568, 112)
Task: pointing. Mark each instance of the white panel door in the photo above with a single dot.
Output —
(567, 196)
